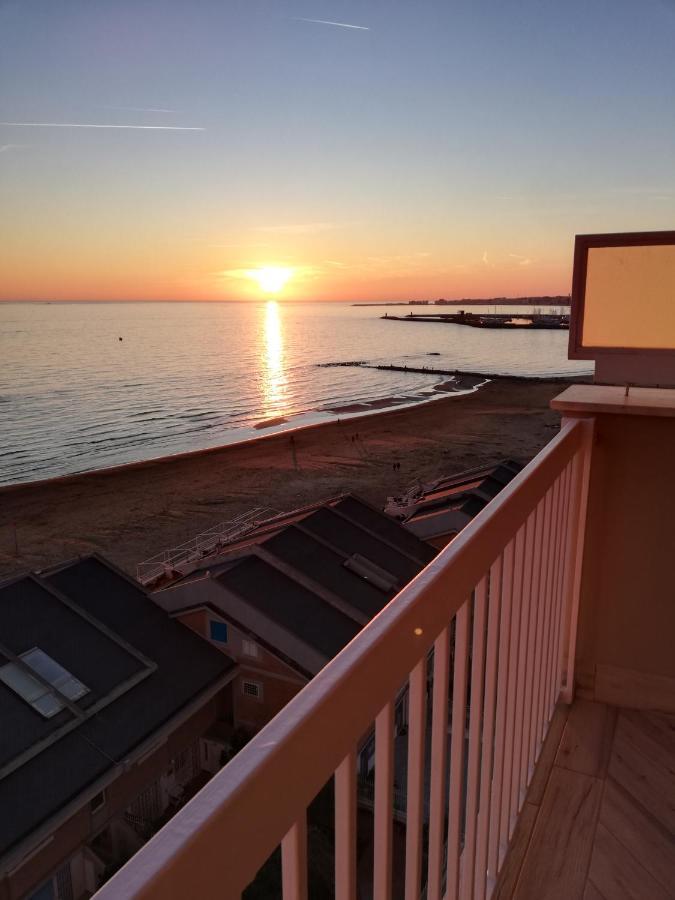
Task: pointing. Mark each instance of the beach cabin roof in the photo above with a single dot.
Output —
(441, 508)
(304, 583)
(90, 670)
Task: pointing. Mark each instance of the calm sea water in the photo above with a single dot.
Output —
(185, 376)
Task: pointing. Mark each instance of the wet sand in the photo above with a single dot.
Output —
(135, 511)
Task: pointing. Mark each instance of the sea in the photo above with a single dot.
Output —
(89, 385)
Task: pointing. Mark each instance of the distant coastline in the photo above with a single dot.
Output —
(561, 300)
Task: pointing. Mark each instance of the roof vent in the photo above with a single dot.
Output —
(371, 572)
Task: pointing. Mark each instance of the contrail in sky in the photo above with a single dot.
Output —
(87, 125)
(326, 22)
(150, 109)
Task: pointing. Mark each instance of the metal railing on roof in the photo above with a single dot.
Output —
(204, 544)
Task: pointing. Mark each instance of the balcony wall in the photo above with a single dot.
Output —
(627, 600)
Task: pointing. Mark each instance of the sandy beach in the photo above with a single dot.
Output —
(133, 512)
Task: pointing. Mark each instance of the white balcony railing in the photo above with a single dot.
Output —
(499, 608)
(205, 544)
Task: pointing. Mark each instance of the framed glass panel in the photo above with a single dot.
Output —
(31, 690)
(623, 294)
(55, 674)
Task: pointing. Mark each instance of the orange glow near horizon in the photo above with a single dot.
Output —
(361, 262)
(366, 262)
(354, 270)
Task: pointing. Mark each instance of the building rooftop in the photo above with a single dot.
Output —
(110, 671)
(445, 505)
(318, 574)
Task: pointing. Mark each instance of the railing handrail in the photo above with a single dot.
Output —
(155, 566)
(226, 813)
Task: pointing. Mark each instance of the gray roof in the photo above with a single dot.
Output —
(140, 668)
(292, 585)
(445, 505)
(290, 605)
(324, 565)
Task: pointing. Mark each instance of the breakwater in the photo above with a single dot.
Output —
(553, 321)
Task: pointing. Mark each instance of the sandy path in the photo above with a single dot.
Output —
(133, 512)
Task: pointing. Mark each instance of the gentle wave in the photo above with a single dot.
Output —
(191, 375)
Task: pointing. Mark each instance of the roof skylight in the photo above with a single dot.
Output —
(369, 571)
(42, 698)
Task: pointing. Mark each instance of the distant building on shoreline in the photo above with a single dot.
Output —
(556, 300)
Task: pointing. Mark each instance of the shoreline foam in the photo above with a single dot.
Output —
(319, 418)
(131, 512)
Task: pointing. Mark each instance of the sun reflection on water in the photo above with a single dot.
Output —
(274, 372)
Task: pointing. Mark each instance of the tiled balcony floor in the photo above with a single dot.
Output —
(599, 819)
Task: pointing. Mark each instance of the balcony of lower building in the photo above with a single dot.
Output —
(537, 654)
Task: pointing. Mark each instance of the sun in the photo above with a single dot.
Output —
(271, 279)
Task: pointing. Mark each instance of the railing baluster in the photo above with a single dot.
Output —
(417, 692)
(557, 528)
(439, 755)
(550, 690)
(456, 794)
(294, 861)
(384, 787)
(345, 829)
(546, 610)
(487, 758)
(511, 697)
(550, 583)
(548, 538)
(562, 551)
(581, 468)
(475, 729)
(505, 663)
(533, 676)
(517, 792)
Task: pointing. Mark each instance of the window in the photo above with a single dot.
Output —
(34, 692)
(97, 802)
(58, 887)
(249, 648)
(218, 631)
(45, 892)
(252, 689)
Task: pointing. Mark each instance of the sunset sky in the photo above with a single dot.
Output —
(352, 149)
